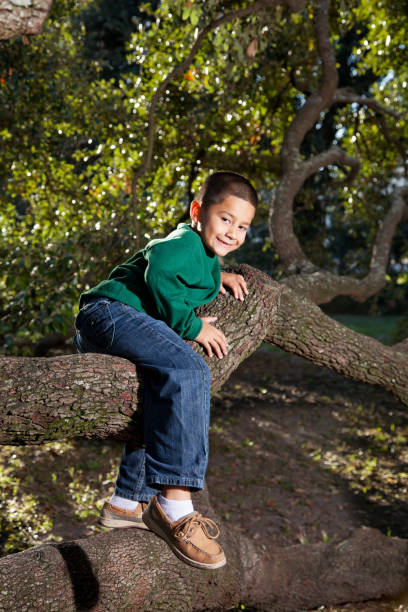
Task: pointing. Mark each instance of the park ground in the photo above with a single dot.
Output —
(298, 454)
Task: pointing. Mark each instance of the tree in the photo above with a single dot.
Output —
(274, 312)
(18, 18)
(81, 186)
(64, 403)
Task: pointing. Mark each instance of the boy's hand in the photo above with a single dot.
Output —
(236, 282)
(211, 338)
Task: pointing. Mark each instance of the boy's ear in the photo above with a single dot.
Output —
(195, 208)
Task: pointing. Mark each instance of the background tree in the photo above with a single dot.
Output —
(82, 140)
(134, 148)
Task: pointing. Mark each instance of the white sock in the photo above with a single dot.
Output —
(175, 508)
(123, 502)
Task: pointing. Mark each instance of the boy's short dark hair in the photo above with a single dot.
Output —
(221, 184)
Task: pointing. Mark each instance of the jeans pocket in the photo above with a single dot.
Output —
(84, 313)
(96, 324)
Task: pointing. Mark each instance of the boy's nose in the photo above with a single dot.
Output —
(231, 233)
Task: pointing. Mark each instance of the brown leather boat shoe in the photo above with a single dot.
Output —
(112, 516)
(191, 538)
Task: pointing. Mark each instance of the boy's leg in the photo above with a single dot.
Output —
(176, 419)
(131, 482)
(177, 393)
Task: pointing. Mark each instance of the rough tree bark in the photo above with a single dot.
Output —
(22, 17)
(134, 571)
(99, 396)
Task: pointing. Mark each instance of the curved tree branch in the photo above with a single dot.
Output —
(335, 155)
(318, 101)
(294, 169)
(303, 275)
(322, 286)
(346, 95)
(182, 67)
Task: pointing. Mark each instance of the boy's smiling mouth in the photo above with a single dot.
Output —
(224, 243)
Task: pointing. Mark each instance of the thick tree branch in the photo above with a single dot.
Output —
(22, 17)
(300, 327)
(100, 396)
(98, 573)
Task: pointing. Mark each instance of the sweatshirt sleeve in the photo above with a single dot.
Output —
(167, 278)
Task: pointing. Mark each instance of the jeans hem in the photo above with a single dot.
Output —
(193, 483)
(135, 497)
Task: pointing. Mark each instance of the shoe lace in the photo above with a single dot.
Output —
(205, 523)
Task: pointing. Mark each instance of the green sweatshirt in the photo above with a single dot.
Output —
(167, 279)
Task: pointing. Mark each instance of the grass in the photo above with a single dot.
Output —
(381, 328)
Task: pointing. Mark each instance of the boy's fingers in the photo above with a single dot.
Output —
(219, 346)
(223, 344)
(216, 349)
(242, 284)
(238, 294)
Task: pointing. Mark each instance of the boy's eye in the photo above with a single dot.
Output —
(225, 219)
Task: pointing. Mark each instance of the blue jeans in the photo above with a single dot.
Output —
(176, 396)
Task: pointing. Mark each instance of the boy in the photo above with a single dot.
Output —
(143, 312)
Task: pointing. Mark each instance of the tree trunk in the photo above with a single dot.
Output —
(22, 17)
(100, 396)
(133, 570)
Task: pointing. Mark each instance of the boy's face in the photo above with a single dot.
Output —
(223, 226)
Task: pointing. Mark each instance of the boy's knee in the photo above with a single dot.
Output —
(200, 364)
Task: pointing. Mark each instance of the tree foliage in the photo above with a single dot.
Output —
(75, 128)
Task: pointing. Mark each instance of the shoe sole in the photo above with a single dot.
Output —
(112, 522)
(162, 534)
